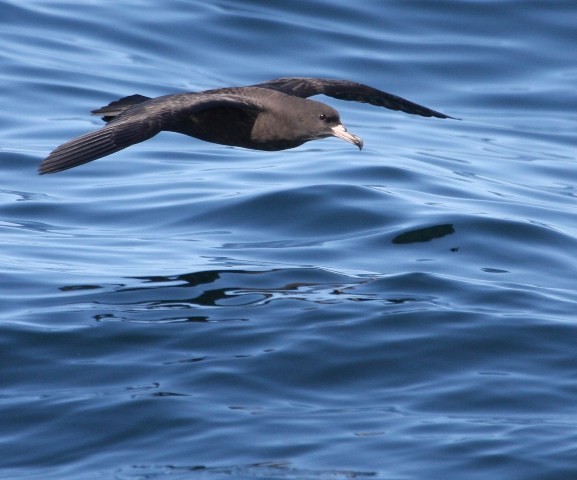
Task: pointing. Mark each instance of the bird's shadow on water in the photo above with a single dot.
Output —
(219, 295)
(211, 295)
(230, 295)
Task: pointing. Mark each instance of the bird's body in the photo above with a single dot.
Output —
(274, 115)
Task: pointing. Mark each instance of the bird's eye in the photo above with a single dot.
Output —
(322, 117)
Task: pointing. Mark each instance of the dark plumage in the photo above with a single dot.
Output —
(273, 115)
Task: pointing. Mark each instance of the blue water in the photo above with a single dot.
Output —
(184, 310)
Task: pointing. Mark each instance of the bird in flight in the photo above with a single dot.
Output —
(274, 115)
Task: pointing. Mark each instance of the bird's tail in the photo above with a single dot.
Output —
(113, 109)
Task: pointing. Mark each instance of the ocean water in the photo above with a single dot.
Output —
(184, 310)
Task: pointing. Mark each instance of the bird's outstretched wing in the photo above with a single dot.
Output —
(346, 90)
(136, 124)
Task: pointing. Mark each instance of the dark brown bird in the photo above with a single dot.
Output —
(274, 115)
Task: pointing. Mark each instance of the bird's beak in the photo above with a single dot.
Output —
(341, 132)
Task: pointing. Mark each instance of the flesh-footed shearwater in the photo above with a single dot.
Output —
(274, 115)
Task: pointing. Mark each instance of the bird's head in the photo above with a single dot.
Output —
(324, 121)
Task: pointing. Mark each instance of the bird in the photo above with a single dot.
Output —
(273, 115)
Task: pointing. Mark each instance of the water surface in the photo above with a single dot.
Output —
(188, 310)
